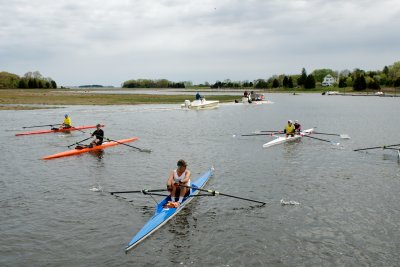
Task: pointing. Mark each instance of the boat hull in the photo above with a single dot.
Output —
(57, 131)
(163, 215)
(255, 102)
(281, 140)
(84, 150)
(201, 104)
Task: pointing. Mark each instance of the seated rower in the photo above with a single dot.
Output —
(297, 127)
(289, 129)
(180, 176)
(66, 123)
(99, 136)
(98, 140)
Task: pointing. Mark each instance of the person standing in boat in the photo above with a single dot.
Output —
(253, 96)
(99, 136)
(198, 96)
(297, 127)
(179, 176)
(289, 129)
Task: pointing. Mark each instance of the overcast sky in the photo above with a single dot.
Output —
(109, 42)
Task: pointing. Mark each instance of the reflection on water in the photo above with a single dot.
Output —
(181, 227)
(392, 157)
(97, 153)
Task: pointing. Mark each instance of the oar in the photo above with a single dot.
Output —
(144, 191)
(42, 125)
(140, 149)
(375, 147)
(270, 131)
(77, 143)
(320, 139)
(255, 134)
(215, 193)
(344, 136)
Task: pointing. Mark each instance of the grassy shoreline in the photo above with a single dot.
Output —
(28, 97)
(34, 97)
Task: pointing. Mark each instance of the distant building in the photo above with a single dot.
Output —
(328, 80)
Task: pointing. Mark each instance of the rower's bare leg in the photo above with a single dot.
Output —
(173, 193)
(182, 194)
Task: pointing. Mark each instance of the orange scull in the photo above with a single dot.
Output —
(87, 149)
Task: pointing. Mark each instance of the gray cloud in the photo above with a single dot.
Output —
(90, 41)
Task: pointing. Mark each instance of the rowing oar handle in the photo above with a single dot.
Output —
(144, 191)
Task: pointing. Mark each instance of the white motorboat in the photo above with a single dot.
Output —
(284, 139)
(256, 100)
(332, 93)
(200, 104)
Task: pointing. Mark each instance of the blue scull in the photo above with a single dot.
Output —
(162, 215)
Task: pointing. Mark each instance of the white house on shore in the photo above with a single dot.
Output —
(328, 80)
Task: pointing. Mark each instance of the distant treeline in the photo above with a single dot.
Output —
(29, 80)
(146, 83)
(358, 79)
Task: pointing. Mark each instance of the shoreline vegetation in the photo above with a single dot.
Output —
(11, 98)
(28, 99)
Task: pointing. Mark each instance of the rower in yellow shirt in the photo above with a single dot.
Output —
(67, 123)
(289, 129)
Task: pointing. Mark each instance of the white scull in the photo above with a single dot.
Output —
(284, 139)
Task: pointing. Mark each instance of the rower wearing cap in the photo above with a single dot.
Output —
(66, 123)
(179, 176)
(99, 136)
(297, 127)
(289, 129)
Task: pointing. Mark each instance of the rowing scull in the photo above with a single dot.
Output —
(163, 214)
(284, 139)
(87, 149)
(58, 130)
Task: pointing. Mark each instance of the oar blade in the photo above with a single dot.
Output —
(345, 136)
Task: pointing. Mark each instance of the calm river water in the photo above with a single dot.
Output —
(349, 215)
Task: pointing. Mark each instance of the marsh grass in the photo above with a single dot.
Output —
(65, 97)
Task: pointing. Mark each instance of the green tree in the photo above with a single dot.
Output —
(360, 83)
(373, 84)
(9, 80)
(349, 81)
(275, 83)
(303, 77)
(342, 82)
(394, 71)
(386, 70)
(285, 82)
(310, 82)
(290, 82)
(23, 83)
(397, 83)
(260, 84)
